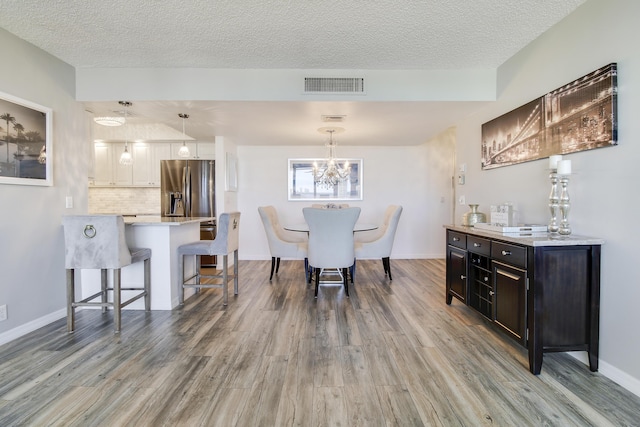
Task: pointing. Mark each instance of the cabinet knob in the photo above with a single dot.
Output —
(491, 293)
(456, 239)
(477, 245)
(463, 277)
(486, 279)
(505, 253)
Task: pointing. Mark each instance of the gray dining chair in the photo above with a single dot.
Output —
(331, 243)
(98, 242)
(283, 243)
(379, 242)
(225, 243)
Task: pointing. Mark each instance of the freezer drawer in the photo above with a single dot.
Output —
(208, 232)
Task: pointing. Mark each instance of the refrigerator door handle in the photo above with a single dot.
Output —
(186, 185)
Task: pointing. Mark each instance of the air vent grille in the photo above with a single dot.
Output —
(334, 85)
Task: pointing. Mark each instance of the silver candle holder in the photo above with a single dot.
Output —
(565, 206)
(554, 200)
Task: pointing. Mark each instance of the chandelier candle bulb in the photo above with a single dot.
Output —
(553, 161)
(564, 167)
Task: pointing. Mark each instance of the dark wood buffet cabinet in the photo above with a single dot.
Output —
(543, 292)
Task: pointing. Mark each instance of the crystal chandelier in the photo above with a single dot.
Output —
(330, 173)
(125, 157)
(184, 150)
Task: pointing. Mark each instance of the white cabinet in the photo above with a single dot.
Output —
(146, 162)
(145, 171)
(108, 170)
(197, 150)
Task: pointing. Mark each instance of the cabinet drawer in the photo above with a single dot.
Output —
(509, 254)
(459, 240)
(479, 245)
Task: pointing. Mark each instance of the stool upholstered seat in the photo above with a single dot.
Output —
(98, 242)
(226, 242)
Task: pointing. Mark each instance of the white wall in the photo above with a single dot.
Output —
(32, 275)
(417, 177)
(603, 188)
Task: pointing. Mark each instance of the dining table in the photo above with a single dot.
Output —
(326, 274)
(303, 227)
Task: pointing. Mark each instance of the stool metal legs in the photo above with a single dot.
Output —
(198, 276)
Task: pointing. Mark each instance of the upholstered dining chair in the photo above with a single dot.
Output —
(331, 243)
(98, 242)
(225, 243)
(282, 243)
(379, 242)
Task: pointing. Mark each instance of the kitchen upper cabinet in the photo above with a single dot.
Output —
(197, 150)
(146, 162)
(145, 171)
(108, 170)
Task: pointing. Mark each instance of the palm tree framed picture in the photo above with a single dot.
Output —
(25, 142)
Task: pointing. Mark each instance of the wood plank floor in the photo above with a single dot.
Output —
(393, 354)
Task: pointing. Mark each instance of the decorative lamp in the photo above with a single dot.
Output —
(184, 150)
(330, 173)
(125, 157)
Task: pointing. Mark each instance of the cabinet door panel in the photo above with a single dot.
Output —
(456, 274)
(509, 303)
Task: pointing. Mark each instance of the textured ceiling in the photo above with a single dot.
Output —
(280, 34)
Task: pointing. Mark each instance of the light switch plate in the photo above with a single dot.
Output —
(69, 202)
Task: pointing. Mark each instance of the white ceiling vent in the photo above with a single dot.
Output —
(353, 85)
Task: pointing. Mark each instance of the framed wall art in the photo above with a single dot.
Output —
(302, 185)
(25, 142)
(581, 115)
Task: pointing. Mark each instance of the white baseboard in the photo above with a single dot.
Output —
(22, 330)
(619, 377)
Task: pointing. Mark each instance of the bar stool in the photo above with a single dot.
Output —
(98, 242)
(226, 242)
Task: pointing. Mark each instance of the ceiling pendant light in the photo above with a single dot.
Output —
(109, 121)
(333, 171)
(184, 150)
(125, 157)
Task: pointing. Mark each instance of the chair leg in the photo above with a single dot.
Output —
(235, 272)
(103, 287)
(317, 274)
(273, 267)
(387, 267)
(198, 268)
(225, 278)
(352, 270)
(277, 265)
(71, 292)
(345, 281)
(116, 300)
(181, 279)
(306, 270)
(147, 284)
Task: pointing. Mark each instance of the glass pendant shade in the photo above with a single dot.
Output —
(184, 151)
(125, 157)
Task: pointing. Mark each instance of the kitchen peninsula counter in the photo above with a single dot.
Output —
(162, 235)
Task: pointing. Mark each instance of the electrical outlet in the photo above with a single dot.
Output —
(3, 312)
(462, 200)
(69, 202)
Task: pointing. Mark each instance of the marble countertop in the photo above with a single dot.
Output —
(530, 239)
(164, 220)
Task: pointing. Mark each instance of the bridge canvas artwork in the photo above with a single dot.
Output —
(581, 115)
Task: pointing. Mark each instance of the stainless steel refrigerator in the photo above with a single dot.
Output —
(187, 188)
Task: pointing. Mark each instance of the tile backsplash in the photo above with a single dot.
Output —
(124, 200)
